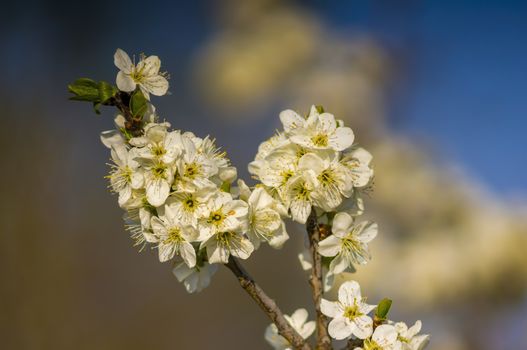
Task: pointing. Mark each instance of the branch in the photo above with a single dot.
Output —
(315, 280)
(267, 304)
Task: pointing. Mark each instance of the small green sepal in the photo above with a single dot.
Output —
(138, 104)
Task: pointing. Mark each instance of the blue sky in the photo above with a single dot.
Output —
(462, 84)
(465, 80)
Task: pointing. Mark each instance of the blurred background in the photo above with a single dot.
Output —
(435, 90)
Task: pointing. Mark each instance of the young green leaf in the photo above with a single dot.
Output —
(383, 308)
(84, 89)
(138, 104)
(106, 91)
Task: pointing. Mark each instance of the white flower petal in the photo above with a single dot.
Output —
(291, 120)
(385, 335)
(298, 318)
(300, 210)
(150, 65)
(363, 327)
(342, 139)
(330, 246)
(339, 328)
(182, 271)
(243, 250)
(186, 250)
(339, 264)
(330, 308)
(327, 122)
(125, 82)
(111, 137)
(348, 292)
(123, 61)
(156, 85)
(157, 192)
(342, 223)
(124, 195)
(166, 252)
(367, 231)
(216, 254)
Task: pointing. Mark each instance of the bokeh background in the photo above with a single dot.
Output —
(436, 91)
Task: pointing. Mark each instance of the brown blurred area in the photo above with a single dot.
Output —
(449, 252)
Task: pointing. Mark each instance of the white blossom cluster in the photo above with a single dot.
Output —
(350, 318)
(178, 194)
(313, 164)
(176, 189)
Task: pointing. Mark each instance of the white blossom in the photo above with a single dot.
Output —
(348, 243)
(298, 195)
(189, 206)
(125, 175)
(298, 320)
(409, 337)
(145, 74)
(197, 278)
(318, 131)
(358, 162)
(349, 314)
(194, 168)
(384, 338)
(173, 237)
(264, 220)
(223, 244)
(158, 144)
(222, 213)
(334, 179)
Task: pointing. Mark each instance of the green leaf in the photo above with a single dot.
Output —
(84, 89)
(138, 104)
(383, 308)
(106, 91)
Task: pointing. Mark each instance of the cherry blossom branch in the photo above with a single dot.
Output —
(315, 280)
(267, 304)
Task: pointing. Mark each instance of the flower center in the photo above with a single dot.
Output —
(224, 238)
(189, 204)
(326, 177)
(158, 150)
(351, 312)
(320, 140)
(216, 218)
(159, 171)
(174, 236)
(350, 244)
(371, 345)
(286, 175)
(192, 170)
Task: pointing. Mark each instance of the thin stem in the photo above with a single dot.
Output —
(267, 304)
(315, 280)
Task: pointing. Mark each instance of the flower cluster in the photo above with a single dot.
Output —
(179, 196)
(350, 318)
(176, 189)
(313, 164)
